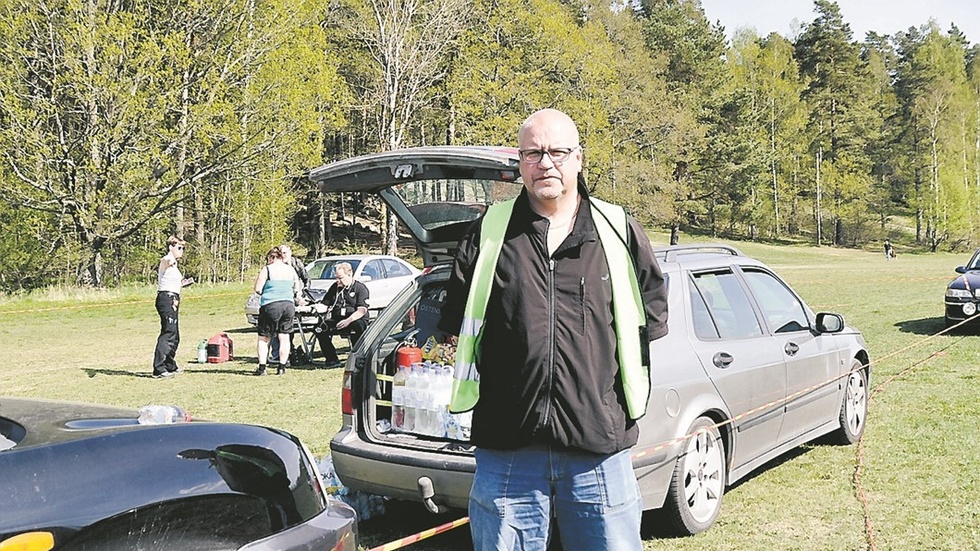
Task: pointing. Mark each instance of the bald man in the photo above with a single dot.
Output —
(552, 424)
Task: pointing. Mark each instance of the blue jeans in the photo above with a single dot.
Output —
(595, 500)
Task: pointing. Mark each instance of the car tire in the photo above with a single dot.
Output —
(853, 408)
(698, 484)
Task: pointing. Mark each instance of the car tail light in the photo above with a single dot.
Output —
(347, 395)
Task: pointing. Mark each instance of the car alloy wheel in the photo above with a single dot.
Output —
(698, 484)
(854, 407)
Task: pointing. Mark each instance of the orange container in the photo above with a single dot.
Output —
(408, 355)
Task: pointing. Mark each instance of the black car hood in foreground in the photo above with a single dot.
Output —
(94, 478)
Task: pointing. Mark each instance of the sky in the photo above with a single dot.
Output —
(881, 16)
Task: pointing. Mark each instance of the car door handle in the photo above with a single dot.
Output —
(791, 348)
(722, 360)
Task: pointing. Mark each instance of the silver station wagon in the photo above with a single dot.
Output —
(747, 371)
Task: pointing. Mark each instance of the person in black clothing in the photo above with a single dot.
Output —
(347, 300)
(169, 283)
(297, 265)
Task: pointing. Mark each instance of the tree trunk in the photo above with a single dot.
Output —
(391, 224)
(94, 271)
(819, 218)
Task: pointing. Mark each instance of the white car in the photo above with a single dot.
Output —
(384, 276)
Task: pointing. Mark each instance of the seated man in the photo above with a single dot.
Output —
(347, 300)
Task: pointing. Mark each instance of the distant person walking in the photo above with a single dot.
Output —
(169, 283)
(889, 251)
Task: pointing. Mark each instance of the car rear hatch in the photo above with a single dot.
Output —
(436, 192)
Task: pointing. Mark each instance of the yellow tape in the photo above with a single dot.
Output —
(399, 543)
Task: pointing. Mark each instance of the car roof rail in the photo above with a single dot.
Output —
(670, 253)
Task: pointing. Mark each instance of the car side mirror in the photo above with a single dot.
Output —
(961, 269)
(830, 323)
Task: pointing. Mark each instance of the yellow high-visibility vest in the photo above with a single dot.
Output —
(630, 316)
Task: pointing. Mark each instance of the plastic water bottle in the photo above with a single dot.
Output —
(411, 384)
(418, 411)
(421, 400)
(398, 398)
(162, 415)
(426, 404)
(465, 421)
(202, 352)
(444, 390)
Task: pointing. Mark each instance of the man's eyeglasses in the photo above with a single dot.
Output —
(179, 247)
(558, 155)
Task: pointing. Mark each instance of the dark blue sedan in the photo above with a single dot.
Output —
(962, 297)
(77, 477)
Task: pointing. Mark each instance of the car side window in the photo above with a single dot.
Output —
(728, 304)
(704, 326)
(781, 308)
(395, 268)
(373, 269)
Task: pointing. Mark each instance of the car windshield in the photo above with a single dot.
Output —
(441, 202)
(325, 269)
(974, 262)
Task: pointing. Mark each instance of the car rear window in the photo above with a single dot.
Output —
(437, 203)
(395, 269)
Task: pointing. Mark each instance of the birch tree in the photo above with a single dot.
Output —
(410, 43)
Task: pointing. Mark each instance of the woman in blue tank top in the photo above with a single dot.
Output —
(277, 286)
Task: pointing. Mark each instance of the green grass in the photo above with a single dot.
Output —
(100, 349)
(918, 461)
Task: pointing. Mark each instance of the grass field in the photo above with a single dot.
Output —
(917, 465)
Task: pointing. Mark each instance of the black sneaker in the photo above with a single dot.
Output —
(164, 375)
(260, 371)
(281, 370)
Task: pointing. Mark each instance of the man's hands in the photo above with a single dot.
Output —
(187, 281)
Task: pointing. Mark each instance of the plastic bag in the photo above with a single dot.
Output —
(364, 504)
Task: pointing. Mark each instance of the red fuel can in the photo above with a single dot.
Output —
(220, 349)
(408, 355)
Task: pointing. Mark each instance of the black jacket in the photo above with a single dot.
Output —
(547, 360)
(304, 276)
